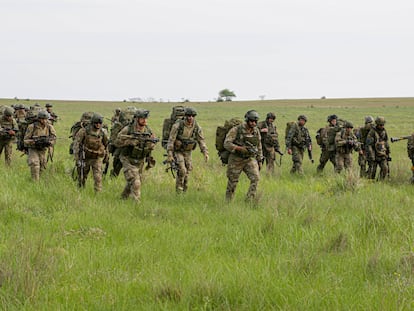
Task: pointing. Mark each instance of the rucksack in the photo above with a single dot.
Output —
(127, 115)
(84, 121)
(321, 136)
(289, 126)
(177, 113)
(221, 133)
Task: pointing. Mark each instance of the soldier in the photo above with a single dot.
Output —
(115, 117)
(244, 144)
(297, 141)
(270, 141)
(410, 151)
(52, 116)
(136, 142)
(378, 149)
(362, 134)
(183, 139)
(326, 137)
(345, 142)
(20, 113)
(8, 131)
(90, 150)
(39, 136)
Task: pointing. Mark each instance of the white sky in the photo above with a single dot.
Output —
(174, 49)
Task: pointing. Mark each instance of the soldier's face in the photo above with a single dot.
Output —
(142, 121)
(189, 119)
(270, 120)
(251, 123)
(97, 125)
(333, 122)
(302, 122)
(43, 121)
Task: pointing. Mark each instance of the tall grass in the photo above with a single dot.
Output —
(310, 243)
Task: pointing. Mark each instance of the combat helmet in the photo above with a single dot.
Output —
(349, 125)
(271, 115)
(190, 111)
(332, 117)
(8, 112)
(48, 105)
(141, 113)
(303, 117)
(380, 121)
(251, 115)
(42, 114)
(369, 119)
(96, 118)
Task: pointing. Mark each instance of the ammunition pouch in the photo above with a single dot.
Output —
(185, 145)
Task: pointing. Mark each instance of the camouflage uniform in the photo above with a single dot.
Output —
(410, 152)
(53, 117)
(245, 147)
(8, 131)
(378, 149)
(182, 141)
(327, 137)
(270, 141)
(362, 134)
(37, 152)
(90, 146)
(136, 143)
(346, 142)
(297, 141)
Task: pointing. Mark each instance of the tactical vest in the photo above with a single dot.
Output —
(186, 143)
(93, 143)
(271, 137)
(247, 140)
(143, 147)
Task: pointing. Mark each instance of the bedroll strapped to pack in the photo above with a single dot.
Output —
(177, 113)
(289, 125)
(221, 133)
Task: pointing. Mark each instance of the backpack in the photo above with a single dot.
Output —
(127, 115)
(221, 133)
(321, 136)
(177, 113)
(289, 126)
(84, 120)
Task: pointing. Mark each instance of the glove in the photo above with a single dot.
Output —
(206, 157)
(170, 158)
(242, 150)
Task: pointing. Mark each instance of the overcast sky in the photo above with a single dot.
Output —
(191, 49)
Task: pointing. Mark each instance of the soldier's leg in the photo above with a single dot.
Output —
(182, 172)
(234, 169)
(297, 158)
(339, 162)
(323, 160)
(8, 150)
(270, 161)
(34, 163)
(43, 160)
(362, 162)
(189, 167)
(332, 157)
(136, 182)
(96, 165)
(383, 164)
(372, 169)
(412, 170)
(348, 161)
(252, 171)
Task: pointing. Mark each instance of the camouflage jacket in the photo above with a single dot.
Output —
(240, 135)
(270, 138)
(298, 136)
(377, 143)
(184, 137)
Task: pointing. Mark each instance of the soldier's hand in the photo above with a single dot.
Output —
(12, 133)
(206, 157)
(289, 151)
(170, 158)
(260, 164)
(242, 149)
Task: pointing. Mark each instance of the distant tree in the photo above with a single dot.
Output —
(225, 95)
(262, 97)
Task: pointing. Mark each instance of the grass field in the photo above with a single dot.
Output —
(330, 242)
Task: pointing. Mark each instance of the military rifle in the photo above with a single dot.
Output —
(307, 144)
(395, 139)
(5, 132)
(81, 166)
(142, 137)
(173, 166)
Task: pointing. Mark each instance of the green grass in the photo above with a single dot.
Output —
(311, 243)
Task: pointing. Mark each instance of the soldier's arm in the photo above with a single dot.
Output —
(339, 141)
(79, 137)
(172, 137)
(229, 140)
(122, 139)
(52, 135)
(28, 140)
(201, 141)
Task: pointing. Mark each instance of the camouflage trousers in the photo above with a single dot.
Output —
(7, 146)
(116, 163)
(36, 159)
(96, 166)
(343, 160)
(234, 168)
(362, 162)
(297, 159)
(382, 162)
(269, 155)
(326, 155)
(185, 166)
(132, 172)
